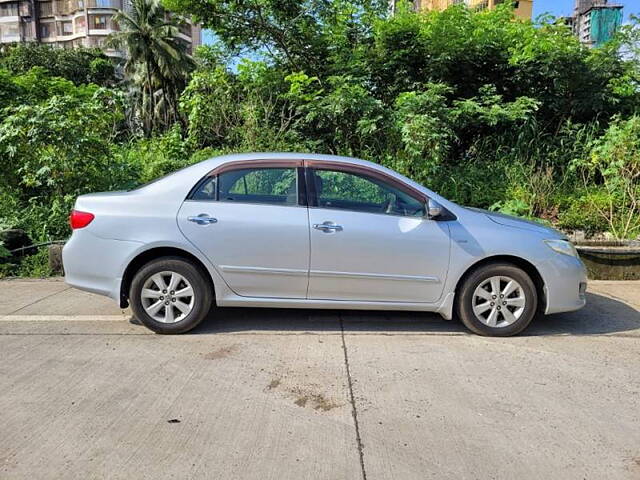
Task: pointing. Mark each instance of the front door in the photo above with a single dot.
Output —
(251, 225)
(370, 241)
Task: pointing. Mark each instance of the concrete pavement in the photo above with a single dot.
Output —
(279, 394)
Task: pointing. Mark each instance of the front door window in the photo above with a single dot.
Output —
(361, 193)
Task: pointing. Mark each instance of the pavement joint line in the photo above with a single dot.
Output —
(62, 318)
(36, 301)
(354, 410)
(70, 334)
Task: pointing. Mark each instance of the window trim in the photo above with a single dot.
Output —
(360, 171)
(306, 187)
(296, 165)
(257, 163)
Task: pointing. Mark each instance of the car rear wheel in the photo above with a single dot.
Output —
(170, 295)
(498, 299)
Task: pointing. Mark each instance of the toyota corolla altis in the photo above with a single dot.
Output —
(314, 231)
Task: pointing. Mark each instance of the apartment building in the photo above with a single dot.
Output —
(595, 22)
(71, 23)
(522, 8)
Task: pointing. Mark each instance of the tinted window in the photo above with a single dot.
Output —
(206, 190)
(251, 185)
(350, 191)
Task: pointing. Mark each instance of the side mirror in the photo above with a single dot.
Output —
(434, 209)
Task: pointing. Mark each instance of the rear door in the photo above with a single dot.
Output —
(251, 222)
(371, 241)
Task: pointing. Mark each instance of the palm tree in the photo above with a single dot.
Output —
(157, 61)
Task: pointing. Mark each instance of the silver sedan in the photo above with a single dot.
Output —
(314, 231)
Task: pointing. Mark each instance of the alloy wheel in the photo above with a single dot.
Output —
(498, 301)
(167, 297)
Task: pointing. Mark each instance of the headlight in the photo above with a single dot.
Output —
(562, 246)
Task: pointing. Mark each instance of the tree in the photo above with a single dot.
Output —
(53, 149)
(79, 65)
(157, 61)
(301, 34)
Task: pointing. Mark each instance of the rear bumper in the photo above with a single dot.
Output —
(565, 284)
(96, 264)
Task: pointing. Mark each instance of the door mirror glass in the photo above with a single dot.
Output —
(434, 209)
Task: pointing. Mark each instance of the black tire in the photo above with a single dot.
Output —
(202, 294)
(465, 298)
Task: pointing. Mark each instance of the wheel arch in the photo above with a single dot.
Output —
(529, 268)
(153, 253)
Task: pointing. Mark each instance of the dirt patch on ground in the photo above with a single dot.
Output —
(317, 401)
(220, 353)
(304, 397)
(273, 384)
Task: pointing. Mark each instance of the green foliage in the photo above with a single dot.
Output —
(576, 210)
(614, 163)
(153, 158)
(210, 108)
(344, 118)
(36, 265)
(249, 109)
(4, 253)
(78, 65)
(56, 149)
(36, 85)
(298, 34)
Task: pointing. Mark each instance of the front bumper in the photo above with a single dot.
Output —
(565, 281)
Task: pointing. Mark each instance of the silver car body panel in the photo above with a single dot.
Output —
(269, 256)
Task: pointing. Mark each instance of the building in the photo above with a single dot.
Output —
(70, 23)
(595, 22)
(523, 8)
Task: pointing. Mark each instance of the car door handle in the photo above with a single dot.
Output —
(203, 219)
(328, 227)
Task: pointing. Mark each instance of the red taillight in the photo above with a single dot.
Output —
(79, 219)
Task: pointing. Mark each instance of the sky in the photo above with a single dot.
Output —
(558, 8)
(562, 8)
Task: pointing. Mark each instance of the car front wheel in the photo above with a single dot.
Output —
(170, 295)
(497, 299)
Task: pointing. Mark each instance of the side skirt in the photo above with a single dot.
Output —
(443, 308)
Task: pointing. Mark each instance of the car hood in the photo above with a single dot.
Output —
(511, 221)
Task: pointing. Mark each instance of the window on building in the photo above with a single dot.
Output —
(65, 28)
(9, 32)
(9, 9)
(46, 30)
(46, 9)
(81, 24)
(99, 22)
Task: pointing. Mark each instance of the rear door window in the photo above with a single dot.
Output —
(273, 186)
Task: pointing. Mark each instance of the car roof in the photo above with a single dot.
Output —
(237, 157)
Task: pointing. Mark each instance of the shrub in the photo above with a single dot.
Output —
(614, 163)
(78, 65)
